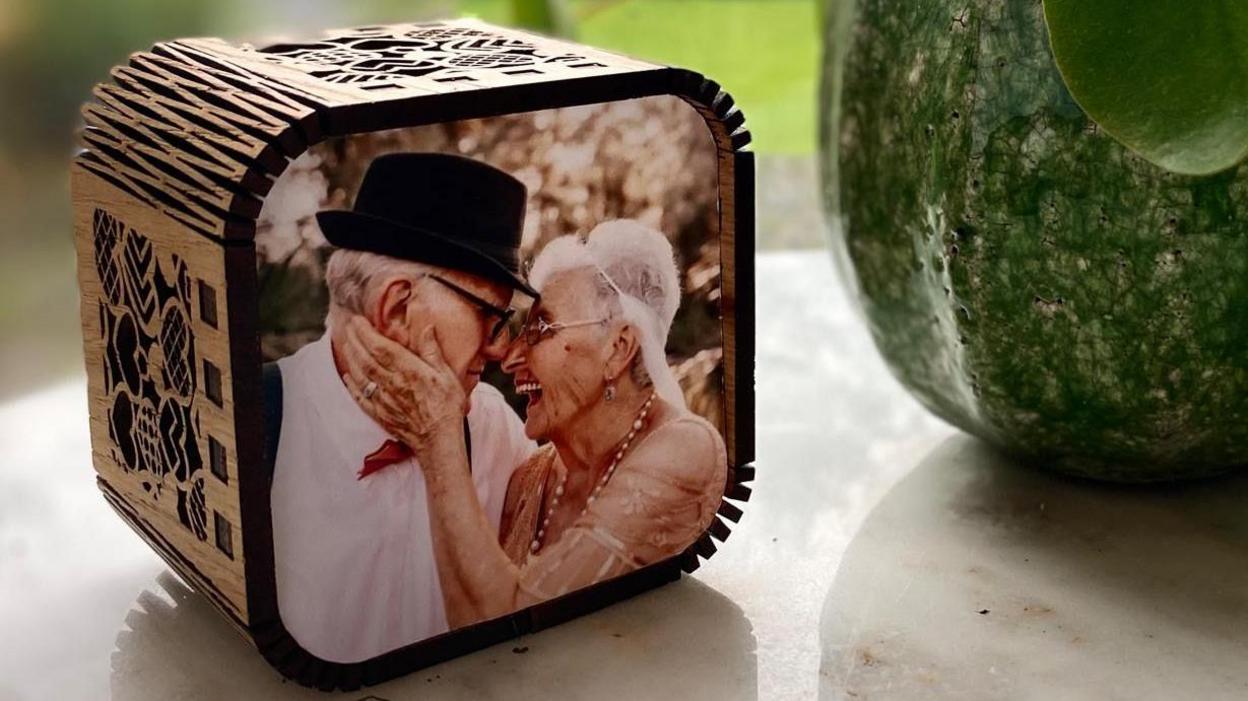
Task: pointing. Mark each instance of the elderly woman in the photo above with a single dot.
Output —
(627, 477)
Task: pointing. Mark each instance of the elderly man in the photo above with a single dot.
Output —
(432, 240)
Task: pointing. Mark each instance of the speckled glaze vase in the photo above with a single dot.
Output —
(1025, 276)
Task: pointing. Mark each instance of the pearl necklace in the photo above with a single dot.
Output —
(638, 424)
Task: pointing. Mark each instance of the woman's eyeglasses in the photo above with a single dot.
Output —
(504, 315)
(534, 330)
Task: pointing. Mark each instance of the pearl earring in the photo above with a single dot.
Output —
(610, 393)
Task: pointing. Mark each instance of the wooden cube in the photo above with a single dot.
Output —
(179, 152)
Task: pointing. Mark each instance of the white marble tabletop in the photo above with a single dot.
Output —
(975, 577)
(1090, 592)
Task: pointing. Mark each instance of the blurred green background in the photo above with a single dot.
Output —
(764, 52)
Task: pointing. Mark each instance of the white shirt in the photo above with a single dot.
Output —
(356, 575)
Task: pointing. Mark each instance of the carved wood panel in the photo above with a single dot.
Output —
(376, 63)
(162, 435)
(391, 58)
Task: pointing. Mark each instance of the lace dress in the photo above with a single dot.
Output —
(645, 514)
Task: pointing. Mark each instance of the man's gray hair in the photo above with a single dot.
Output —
(353, 278)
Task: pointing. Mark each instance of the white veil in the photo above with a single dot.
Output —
(638, 263)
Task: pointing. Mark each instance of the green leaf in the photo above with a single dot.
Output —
(549, 17)
(1169, 79)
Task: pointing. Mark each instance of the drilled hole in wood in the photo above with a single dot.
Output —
(216, 459)
(212, 383)
(207, 304)
(225, 534)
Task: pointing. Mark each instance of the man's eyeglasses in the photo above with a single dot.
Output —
(504, 315)
(534, 330)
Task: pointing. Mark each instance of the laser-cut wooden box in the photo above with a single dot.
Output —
(179, 152)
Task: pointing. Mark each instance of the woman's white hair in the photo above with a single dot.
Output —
(637, 267)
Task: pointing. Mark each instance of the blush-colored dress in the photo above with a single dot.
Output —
(645, 514)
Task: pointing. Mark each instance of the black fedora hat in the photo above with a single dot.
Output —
(439, 209)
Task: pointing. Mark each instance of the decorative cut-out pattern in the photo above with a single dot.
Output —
(198, 129)
(381, 58)
(145, 326)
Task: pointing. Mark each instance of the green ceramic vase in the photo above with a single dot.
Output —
(1027, 278)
